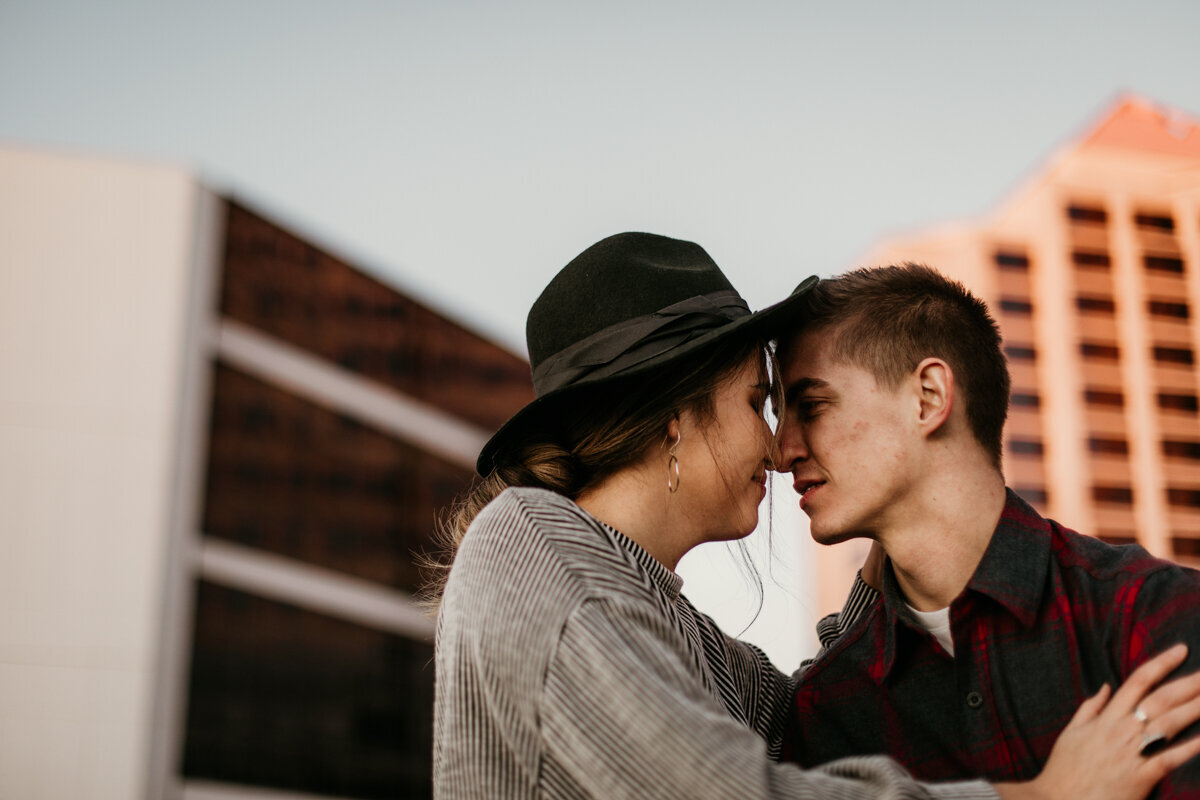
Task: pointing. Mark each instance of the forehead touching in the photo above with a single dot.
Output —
(816, 359)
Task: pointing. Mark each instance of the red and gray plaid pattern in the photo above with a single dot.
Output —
(1047, 619)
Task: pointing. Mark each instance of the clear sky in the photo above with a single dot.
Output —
(466, 150)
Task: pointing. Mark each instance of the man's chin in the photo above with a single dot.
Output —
(824, 536)
(828, 541)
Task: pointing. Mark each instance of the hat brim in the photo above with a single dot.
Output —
(535, 416)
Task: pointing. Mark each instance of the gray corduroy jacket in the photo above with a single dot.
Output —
(570, 666)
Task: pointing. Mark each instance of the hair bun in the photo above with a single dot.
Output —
(546, 465)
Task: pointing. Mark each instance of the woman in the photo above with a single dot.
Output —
(568, 663)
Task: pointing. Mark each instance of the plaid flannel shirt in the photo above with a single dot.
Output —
(1047, 619)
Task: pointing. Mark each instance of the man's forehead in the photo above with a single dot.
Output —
(801, 349)
(811, 360)
(799, 367)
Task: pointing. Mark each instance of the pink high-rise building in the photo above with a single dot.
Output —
(1092, 268)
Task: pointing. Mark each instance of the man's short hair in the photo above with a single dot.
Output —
(886, 320)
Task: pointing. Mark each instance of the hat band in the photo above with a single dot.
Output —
(618, 347)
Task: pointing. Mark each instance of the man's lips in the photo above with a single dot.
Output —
(805, 487)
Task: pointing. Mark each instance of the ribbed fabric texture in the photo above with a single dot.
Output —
(570, 666)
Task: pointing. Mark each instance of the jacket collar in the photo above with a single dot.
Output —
(666, 581)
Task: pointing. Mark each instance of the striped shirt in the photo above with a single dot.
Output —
(570, 666)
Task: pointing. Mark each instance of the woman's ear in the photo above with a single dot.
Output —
(672, 431)
(935, 385)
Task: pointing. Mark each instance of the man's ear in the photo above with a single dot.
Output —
(935, 385)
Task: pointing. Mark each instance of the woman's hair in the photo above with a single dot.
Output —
(599, 433)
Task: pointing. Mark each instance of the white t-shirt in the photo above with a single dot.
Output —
(937, 623)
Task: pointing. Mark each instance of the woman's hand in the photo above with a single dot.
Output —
(1099, 754)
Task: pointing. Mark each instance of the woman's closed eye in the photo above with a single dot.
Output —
(758, 399)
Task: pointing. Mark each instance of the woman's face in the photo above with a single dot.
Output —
(724, 461)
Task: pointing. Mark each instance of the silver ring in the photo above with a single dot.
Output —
(1140, 715)
(1149, 740)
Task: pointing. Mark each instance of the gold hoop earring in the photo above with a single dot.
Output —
(673, 467)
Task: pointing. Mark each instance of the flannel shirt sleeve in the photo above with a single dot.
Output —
(625, 716)
(1166, 611)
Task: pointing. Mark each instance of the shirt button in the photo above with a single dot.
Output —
(974, 700)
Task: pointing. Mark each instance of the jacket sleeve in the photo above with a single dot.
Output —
(862, 598)
(624, 715)
(765, 695)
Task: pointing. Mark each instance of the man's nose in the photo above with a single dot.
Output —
(792, 447)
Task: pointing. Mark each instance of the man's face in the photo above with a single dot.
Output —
(848, 442)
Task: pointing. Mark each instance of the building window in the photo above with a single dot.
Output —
(1163, 264)
(1120, 495)
(1025, 447)
(1183, 498)
(1155, 222)
(1104, 397)
(1186, 546)
(1091, 260)
(299, 480)
(1181, 449)
(1095, 350)
(1025, 400)
(1168, 401)
(1174, 355)
(1013, 305)
(1087, 214)
(1098, 305)
(1034, 495)
(1103, 446)
(1017, 352)
(290, 699)
(1007, 259)
(1168, 308)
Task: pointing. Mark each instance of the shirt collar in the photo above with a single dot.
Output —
(1012, 572)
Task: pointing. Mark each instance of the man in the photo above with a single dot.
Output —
(994, 623)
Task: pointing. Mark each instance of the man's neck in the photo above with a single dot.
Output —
(935, 553)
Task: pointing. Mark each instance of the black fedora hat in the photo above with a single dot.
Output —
(626, 305)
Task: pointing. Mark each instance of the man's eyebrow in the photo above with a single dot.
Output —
(796, 388)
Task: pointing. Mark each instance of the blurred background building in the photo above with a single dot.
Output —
(222, 449)
(1092, 269)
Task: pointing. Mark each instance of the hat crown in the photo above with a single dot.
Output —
(629, 304)
(623, 277)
